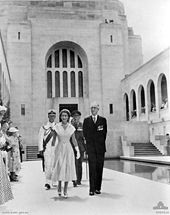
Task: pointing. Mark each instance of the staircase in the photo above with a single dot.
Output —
(146, 149)
(31, 152)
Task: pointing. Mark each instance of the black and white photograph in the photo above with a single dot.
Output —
(84, 107)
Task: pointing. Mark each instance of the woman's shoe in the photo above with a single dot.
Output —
(47, 186)
(59, 191)
(65, 195)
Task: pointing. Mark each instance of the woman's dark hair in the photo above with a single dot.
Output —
(65, 111)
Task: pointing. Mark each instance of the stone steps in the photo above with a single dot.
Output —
(146, 149)
(31, 152)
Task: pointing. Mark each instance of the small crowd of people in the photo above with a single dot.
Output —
(10, 156)
(62, 147)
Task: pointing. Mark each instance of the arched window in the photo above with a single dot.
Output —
(141, 99)
(49, 84)
(60, 60)
(57, 84)
(164, 93)
(133, 104)
(127, 106)
(49, 62)
(80, 83)
(65, 84)
(73, 86)
(152, 97)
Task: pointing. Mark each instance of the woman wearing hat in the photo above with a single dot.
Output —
(64, 162)
(5, 188)
(14, 154)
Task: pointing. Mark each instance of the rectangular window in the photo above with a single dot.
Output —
(59, 4)
(111, 38)
(111, 108)
(23, 109)
(19, 35)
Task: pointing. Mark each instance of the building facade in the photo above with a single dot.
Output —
(66, 54)
(5, 78)
(146, 95)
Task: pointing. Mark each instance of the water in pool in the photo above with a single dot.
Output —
(155, 172)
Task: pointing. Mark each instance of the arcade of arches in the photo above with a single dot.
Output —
(147, 96)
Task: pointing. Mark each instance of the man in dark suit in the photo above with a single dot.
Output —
(95, 131)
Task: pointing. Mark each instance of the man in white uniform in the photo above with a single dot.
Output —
(47, 141)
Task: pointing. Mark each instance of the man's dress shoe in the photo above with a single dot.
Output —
(91, 194)
(98, 192)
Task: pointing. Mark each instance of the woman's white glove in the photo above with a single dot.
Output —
(78, 152)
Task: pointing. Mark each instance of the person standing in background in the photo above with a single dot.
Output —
(80, 141)
(20, 144)
(14, 154)
(47, 141)
(3, 143)
(95, 131)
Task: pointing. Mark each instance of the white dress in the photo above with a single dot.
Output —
(5, 188)
(64, 160)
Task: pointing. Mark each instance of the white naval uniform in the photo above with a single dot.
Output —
(49, 151)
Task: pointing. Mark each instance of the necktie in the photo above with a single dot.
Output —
(94, 119)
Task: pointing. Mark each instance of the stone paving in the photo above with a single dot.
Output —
(121, 194)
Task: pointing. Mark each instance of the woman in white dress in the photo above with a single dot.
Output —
(64, 161)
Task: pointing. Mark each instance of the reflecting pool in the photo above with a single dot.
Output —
(155, 172)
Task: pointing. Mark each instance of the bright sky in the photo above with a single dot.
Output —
(151, 20)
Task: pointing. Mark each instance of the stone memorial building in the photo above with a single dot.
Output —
(66, 54)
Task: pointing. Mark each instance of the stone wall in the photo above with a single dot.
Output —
(98, 28)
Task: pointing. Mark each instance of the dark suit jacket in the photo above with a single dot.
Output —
(95, 134)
